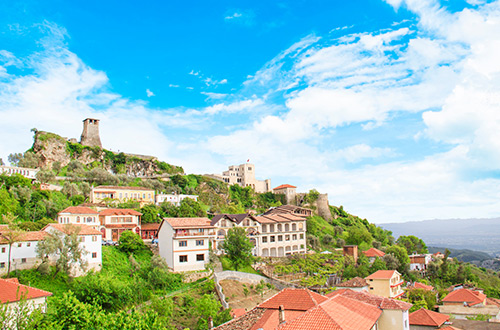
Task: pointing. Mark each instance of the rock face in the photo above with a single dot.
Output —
(51, 148)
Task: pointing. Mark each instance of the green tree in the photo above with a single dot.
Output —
(15, 158)
(238, 247)
(45, 176)
(312, 196)
(151, 213)
(400, 254)
(412, 244)
(12, 235)
(29, 159)
(358, 235)
(209, 307)
(131, 242)
(191, 208)
(64, 247)
(1, 162)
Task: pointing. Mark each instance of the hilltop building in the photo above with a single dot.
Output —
(29, 173)
(123, 194)
(288, 190)
(90, 135)
(244, 176)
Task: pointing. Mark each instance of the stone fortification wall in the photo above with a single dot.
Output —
(90, 134)
(323, 207)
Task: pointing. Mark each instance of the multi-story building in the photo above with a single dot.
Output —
(385, 283)
(174, 199)
(224, 222)
(244, 176)
(29, 173)
(184, 242)
(122, 194)
(12, 293)
(288, 190)
(113, 222)
(23, 253)
(79, 215)
(419, 262)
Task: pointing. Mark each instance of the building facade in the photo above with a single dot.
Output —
(385, 283)
(79, 215)
(29, 173)
(174, 199)
(122, 194)
(184, 242)
(244, 176)
(113, 222)
(224, 222)
(23, 253)
(288, 190)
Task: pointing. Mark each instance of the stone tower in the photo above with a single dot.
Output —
(90, 135)
(323, 207)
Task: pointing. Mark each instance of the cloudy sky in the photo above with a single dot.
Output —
(391, 107)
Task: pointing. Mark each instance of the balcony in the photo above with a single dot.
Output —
(186, 234)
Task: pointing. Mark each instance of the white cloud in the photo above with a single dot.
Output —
(233, 16)
(240, 106)
(149, 93)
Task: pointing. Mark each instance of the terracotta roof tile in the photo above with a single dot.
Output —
(373, 252)
(65, 228)
(244, 322)
(189, 222)
(11, 291)
(356, 282)
(119, 212)
(465, 295)
(150, 226)
(28, 236)
(79, 210)
(450, 328)
(283, 186)
(428, 318)
(381, 274)
(418, 285)
(294, 299)
(371, 299)
(238, 218)
(492, 301)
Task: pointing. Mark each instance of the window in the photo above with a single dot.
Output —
(89, 219)
(3, 250)
(294, 227)
(20, 245)
(287, 227)
(77, 219)
(264, 239)
(272, 238)
(271, 228)
(23, 260)
(121, 195)
(183, 258)
(126, 195)
(94, 238)
(28, 244)
(287, 237)
(264, 228)
(279, 228)
(200, 257)
(200, 242)
(94, 255)
(294, 237)
(301, 246)
(301, 236)
(81, 239)
(280, 238)
(183, 243)
(2, 264)
(201, 230)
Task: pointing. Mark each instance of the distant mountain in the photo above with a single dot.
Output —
(464, 255)
(474, 234)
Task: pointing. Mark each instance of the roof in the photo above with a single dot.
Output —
(150, 226)
(356, 282)
(338, 313)
(373, 252)
(428, 318)
(450, 328)
(465, 295)
(371, 299)
(122, 188)
(289, 209)
(277, 218)
(238, 218)
(27, 236)
(237, 312)
(119, 212)
(294, 299)
(189, 222)
(79, 210)
(244, 322)
(418, 285)
(11, 291)
(66, 228)
(283, 186)
(381, 274)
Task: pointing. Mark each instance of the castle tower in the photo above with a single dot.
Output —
(90, 135)
(323, 207)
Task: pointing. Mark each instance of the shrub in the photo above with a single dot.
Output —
(130, 242)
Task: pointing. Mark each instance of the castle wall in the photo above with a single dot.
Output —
(323, 208)
(90, 135)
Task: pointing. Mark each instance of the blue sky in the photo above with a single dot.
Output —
(391, 107)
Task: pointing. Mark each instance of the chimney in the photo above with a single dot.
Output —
(210, 323)
(281, 314)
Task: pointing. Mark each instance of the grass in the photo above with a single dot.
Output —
(226, 265)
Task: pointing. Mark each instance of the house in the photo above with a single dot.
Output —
(23, 253)
(288, 190)
(281, 234)
(12, 293)
(373, 253)
(149, 230)
(463, 303)
(184, 242)
(295, 210)
(90, 240)
(351, 251)
(422, 286)
(29, 173)
(224, 222)
(113, 222)
(244, 176)
(385, 283)
(419, 262)
(355, 284)
(122, 194)
(298, 309)
(424, 319)
(79, 215)
(174, 199)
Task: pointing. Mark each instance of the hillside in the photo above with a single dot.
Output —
(474, 234)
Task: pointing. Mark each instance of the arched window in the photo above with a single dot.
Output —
(294, 227)
(78, 219)
(287, 227)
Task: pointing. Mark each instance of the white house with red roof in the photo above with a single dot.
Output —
(13, 295)
(113, 222)
(373, 253)
(419, 262)
(184, 242)
(23, 252)
(79, 215)
(424, 319)
(90, 240)
(463, 303)
(288, 190)
(385, 283)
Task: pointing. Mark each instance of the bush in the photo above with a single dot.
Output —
(130, 242)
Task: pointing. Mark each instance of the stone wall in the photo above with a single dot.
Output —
(323, 207)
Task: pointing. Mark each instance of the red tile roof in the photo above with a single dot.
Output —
(189, 222)
(66, 228)
(418, 285)
(373, 252)
(294, 299)
(150, 226)
(356, 282)
(381, 274)
(465, 295)
(371, 299)
(79, 210)
(450, 328)
(28, 236)
(284, 186)
(237, 312)
(428, 318)
(11, 291)
(119, 212)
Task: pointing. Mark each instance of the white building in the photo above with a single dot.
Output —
(11, 293)
(29, 173)
(244, 176)
(224, 222)
(184, 242)
(23, 253)
(113, 222)
(77, 215)
(90, 240)
(174, 199)
(419, 262)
